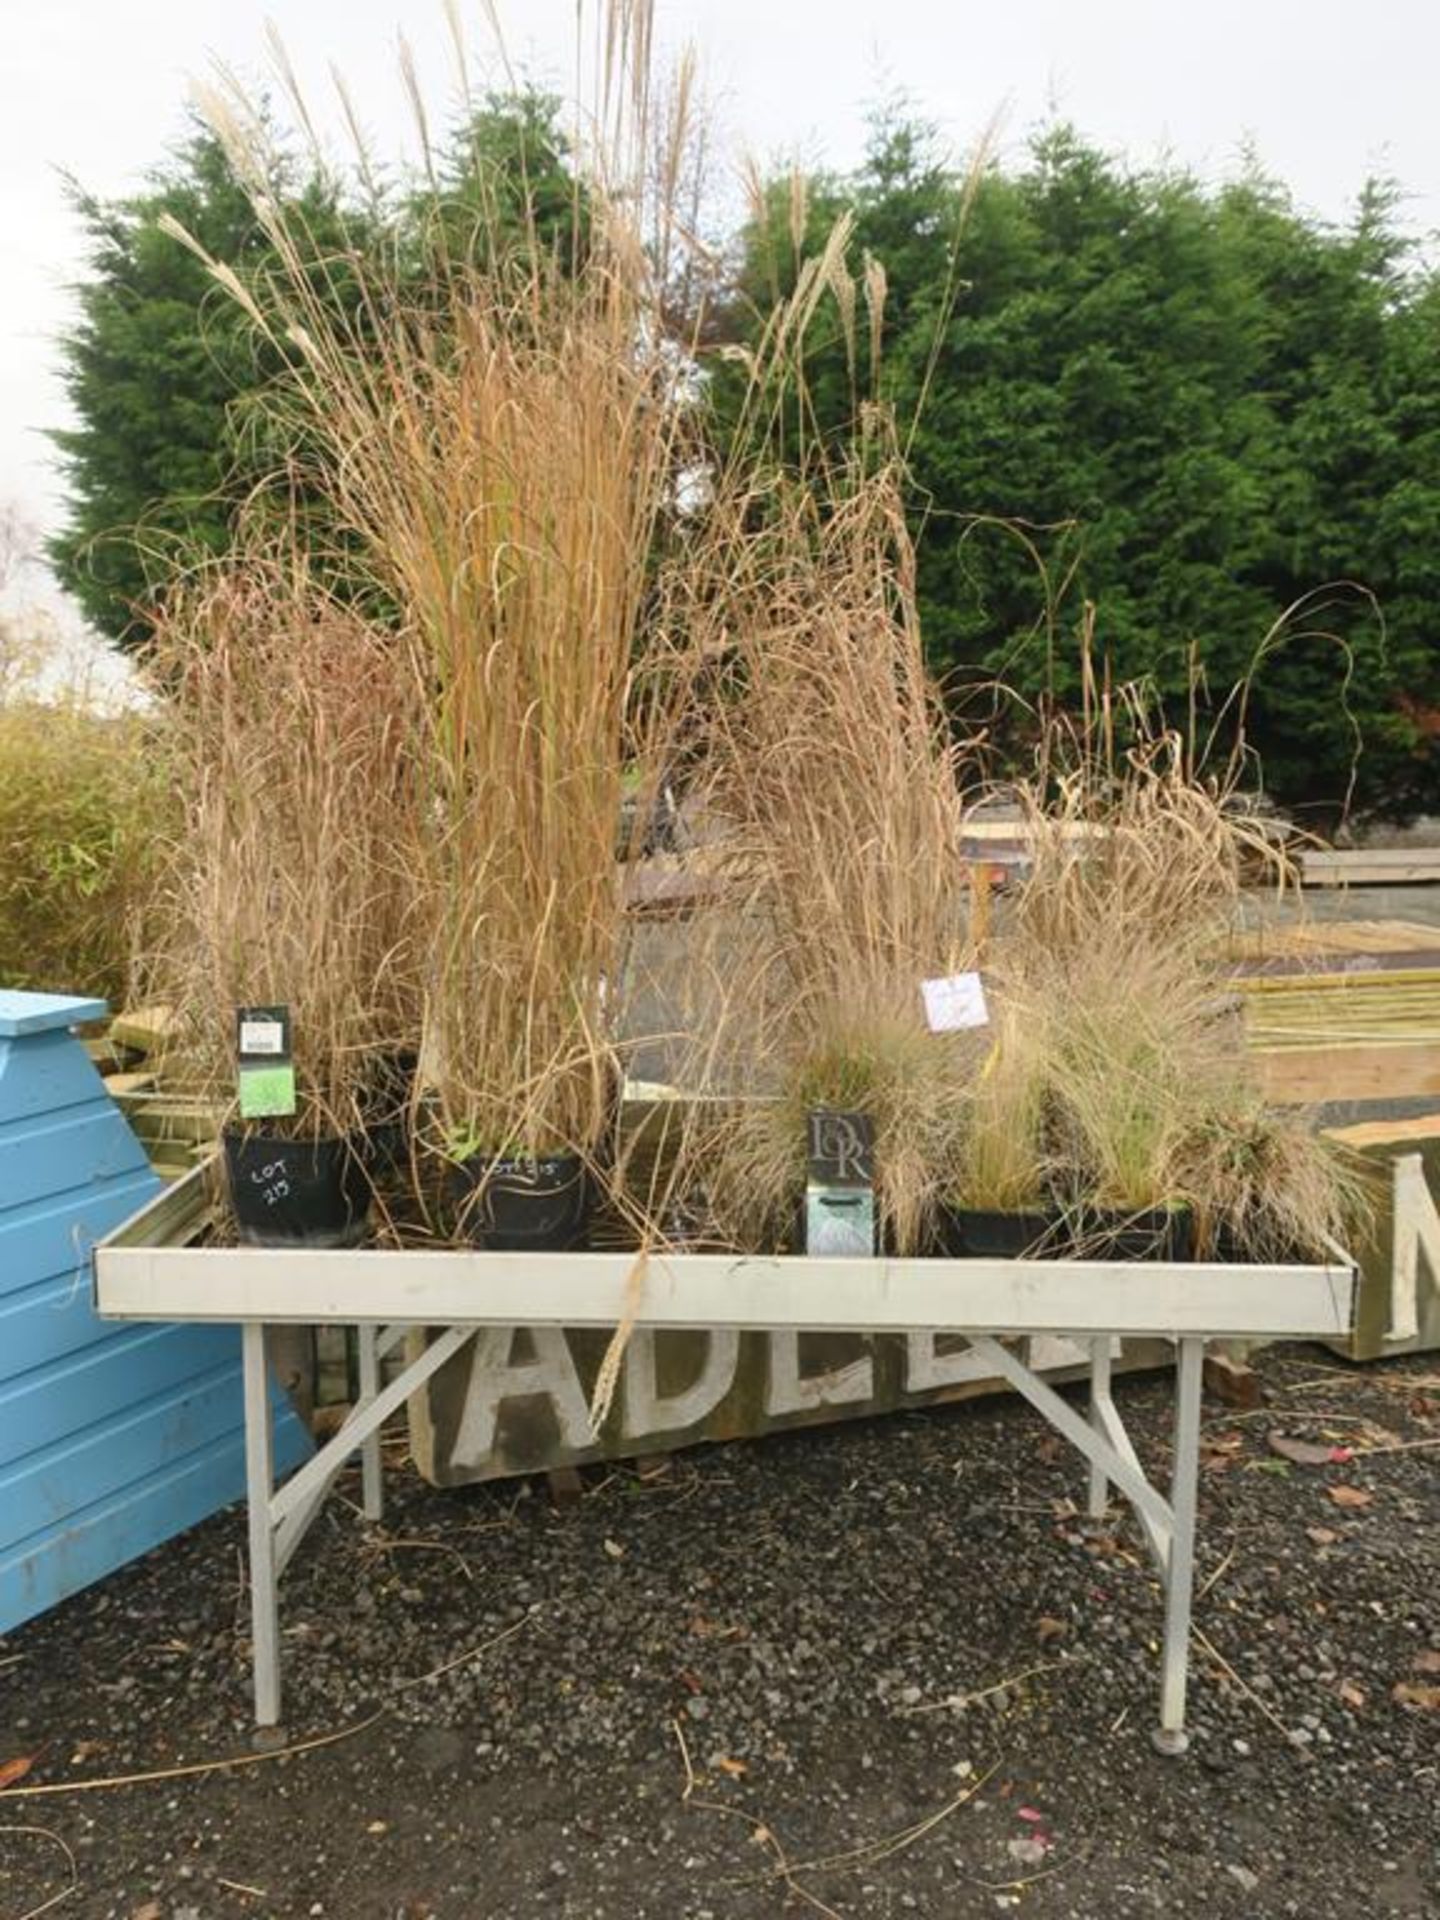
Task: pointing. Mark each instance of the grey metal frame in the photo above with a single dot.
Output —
(149, 1269)
(279, 1518)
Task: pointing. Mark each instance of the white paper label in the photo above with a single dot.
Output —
(262, 1036)
(956, 1001)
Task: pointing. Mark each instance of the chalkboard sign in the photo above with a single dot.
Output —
(272, 1180)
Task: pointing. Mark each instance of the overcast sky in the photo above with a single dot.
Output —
(1325, 90)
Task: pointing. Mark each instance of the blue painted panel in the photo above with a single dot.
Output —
(46, 1075)
(102, 1383)
(70, 1152)
(45, 1239)
(98, 1539)
(34, 1013)
(45, 1322)
(39, 1493)
(112, 1437)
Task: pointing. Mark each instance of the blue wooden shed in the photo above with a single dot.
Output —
(112, 1438)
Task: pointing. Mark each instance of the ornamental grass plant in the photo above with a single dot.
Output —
(1117, 958)
(996, 1153)
(518, 535)
(498, 452)
(822, 762)
(1264, 1184)
(288, 880)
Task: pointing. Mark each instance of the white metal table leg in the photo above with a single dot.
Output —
(259, 1485)
(372, 1494)
(1099, 1398)
(1170, 1737)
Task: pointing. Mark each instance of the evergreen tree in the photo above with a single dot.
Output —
(1188, 409)
(169, 380)
(154, 370)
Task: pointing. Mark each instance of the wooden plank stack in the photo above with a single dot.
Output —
(1339, 946)
(137, 1058)
(1369, 866)
(1345, 1011)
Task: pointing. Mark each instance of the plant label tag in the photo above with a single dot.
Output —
(840, 1196)
(841, 1149)
(262, 1033)
(267, 1070)
(267, 1093)
(954, 1002)
(840, 1221)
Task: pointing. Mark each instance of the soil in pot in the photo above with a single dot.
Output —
(295, 1193)
(513, 1205)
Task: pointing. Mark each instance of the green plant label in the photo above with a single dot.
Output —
(267, 1093)
(267, 1070)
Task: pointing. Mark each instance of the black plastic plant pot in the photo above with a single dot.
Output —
(514, 1205)
(977, 1233)
(295, 1193)
(385, 1108)
(1149, 1233)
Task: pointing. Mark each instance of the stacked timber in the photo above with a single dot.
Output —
(1345, 1016)
(1347, 1036)
(1333, 946)
(1344, 1013)
(136, 1056)
(1369, 866)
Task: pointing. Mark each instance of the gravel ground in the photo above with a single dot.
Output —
(878, 1670)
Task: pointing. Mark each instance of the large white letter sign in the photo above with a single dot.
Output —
(791, 1392)
(493, 1380)
(647, 1410)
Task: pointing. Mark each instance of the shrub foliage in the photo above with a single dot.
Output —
(81, 796)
